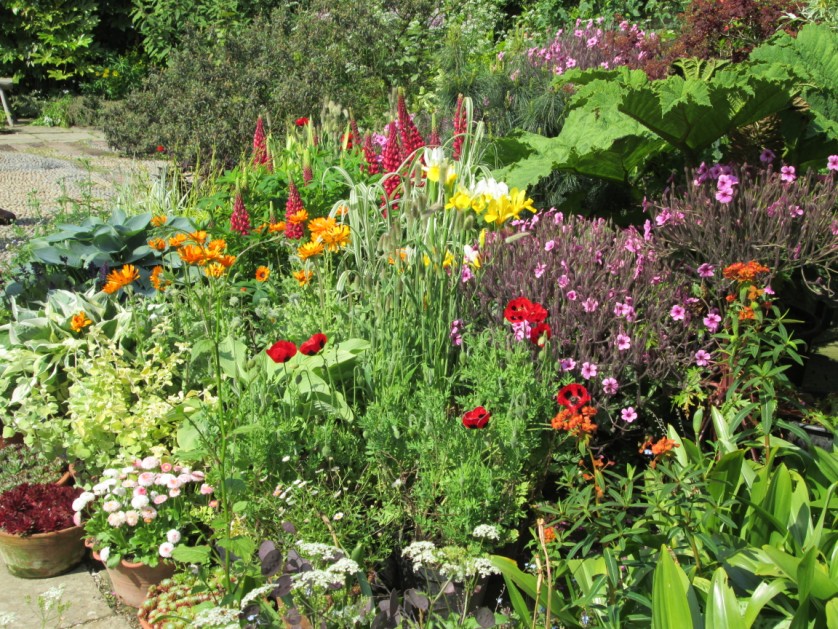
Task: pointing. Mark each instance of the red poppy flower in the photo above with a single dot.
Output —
(282, 351)
(476, 418)
(536, 314)
(302, 121)
(314, 344)
(517, 309)
(541, 333)
(160, 148)
(573, 397)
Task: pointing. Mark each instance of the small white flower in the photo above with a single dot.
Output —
(138, 502)
(173, 536)
(116, 519)
(150, 463)
(146, 479)
(338, 516)
(105, 553)
(111, 505)
(131, 518)
(166, 549)
(286, 458)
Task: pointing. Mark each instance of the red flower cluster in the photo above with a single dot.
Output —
(370, 156)
(391, 159)
(283, 351)
(476, 418)
(460, 123)
(260, 144)
(575, 418)
(240, 219)
(411, 138)
(301, 122)
(522, 309)
(293, 229)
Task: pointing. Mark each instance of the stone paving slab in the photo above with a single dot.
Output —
(87, 607)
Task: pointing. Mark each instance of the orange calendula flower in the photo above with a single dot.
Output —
(273, 228)
(158, 244)
(226, 261)
(192, 254)
(214, 269)
(309, 250)
(199, 237)
(216, 246)
(746, 314)
(156, 281)
(80, 321)
(744, 271)
(303, 276)
(336, 238)
(298, 217)
(159, 220)
(177, 240)
(262, 274)
(318, 226)
(118, 279)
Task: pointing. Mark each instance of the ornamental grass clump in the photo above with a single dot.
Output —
(727, 214)
(620, 321)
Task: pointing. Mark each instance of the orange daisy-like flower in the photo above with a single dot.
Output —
(157, 243)
(318, 226)
(177, 240)
(118, 279)
(192, 254)
(303, 276)
(746, 314)
(577, 424)
(273, 228)
(156, 281)
(226, 261)
(298, 217)
(199, 237)
(336, 238)
(159, 220)
(214, 269)
(309, 250)
(262, 274)
(80, 321)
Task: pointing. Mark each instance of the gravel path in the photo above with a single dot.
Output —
(45, 171)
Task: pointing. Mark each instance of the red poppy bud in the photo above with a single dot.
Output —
(312, 346)
(541, 333)
(476, 418)
(282, 351)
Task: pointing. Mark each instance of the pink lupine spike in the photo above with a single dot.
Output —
(240, 219)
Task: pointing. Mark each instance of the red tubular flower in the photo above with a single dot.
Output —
(293, 230)
(476, 418)
(573, 397)
(301, 122)
(313, 346)
(541, 333)
(240, 219)
(281, 351)
(260, 145)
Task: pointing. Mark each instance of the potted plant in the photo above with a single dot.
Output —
(20, 464)
(136, 516)
(38, 536)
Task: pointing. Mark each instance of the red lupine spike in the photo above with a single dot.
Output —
(260, 145)
(411, 138)
(370, 156)
(460, 124)
(356, 133)
(391, 157)
(293, 230)
(433, 139)
(240, 219)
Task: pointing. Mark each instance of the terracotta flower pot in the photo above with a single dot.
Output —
(44, 554)
(131, 581)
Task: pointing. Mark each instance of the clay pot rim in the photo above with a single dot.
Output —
(88, 542)
(39, 535)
